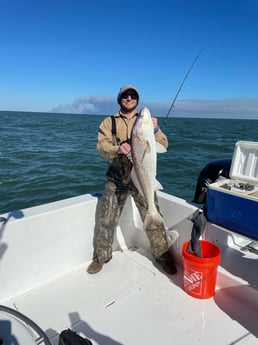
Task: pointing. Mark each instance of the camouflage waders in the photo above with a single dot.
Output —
(113, 202)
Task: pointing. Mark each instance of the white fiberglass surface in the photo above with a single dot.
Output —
(79, 292)
(132, 302)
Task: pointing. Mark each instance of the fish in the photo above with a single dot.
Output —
(144, 149)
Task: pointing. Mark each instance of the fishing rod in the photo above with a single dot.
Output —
(180, 87)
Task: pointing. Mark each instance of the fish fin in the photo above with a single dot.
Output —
(147, 150)
(148, 147)
(160, 148)
(157, 185)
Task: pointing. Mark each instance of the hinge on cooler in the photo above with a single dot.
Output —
(251, 247)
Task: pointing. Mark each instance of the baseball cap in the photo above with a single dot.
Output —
(124, 89)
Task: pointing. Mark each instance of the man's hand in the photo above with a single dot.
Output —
(155, 122)
(124, 148)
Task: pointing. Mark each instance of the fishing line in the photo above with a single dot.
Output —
(180, 87)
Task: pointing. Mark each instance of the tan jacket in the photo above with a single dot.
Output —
(120, 166)
(124, 127)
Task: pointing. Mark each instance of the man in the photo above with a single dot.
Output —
(115, 147)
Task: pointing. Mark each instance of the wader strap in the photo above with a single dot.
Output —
(113, 125)
(113, 131)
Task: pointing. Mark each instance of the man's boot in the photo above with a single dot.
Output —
(167, 263)
(95, 266)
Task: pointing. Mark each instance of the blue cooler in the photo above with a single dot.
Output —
(233, 203)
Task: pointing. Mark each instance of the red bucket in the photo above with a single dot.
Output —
(200, 274)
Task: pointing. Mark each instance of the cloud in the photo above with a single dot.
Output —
(89, 105)
(226, 108)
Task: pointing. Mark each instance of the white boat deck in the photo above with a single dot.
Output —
(131, 301)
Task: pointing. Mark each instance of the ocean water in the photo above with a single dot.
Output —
(46, 157)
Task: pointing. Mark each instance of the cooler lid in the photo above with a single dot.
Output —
(244, 165)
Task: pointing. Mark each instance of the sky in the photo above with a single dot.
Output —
(72, 56)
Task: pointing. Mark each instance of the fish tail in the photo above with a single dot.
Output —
(157, 186)
(152, 218)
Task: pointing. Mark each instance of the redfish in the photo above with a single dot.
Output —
(144, 150)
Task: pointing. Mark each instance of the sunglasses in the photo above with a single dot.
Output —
(132, 95)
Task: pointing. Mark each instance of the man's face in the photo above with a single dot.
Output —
(129, 100)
